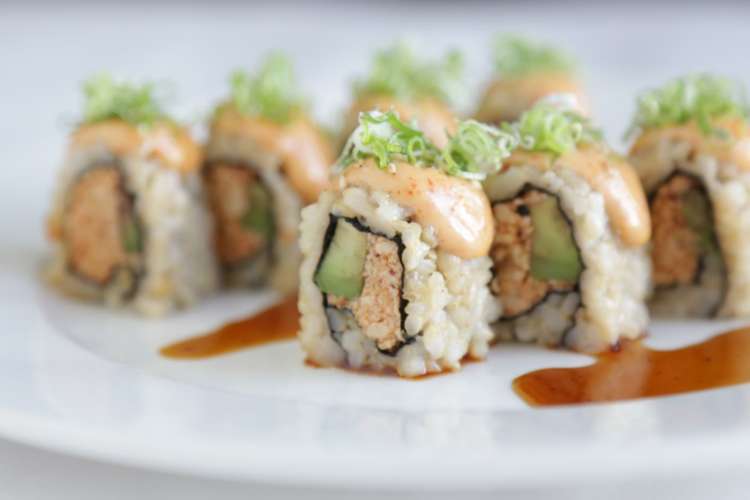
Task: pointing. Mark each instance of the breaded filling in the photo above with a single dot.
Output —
(676, 249)
(93, 224)
(229, 187)
(377, 310)
(511, 254)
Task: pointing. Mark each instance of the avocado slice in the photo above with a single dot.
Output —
(341, 271)
(259, 217)
(554, 255)
(697, 212)
(131, 236)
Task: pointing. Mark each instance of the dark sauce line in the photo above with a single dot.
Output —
(637, 371)
(275, 324)
(634, 371)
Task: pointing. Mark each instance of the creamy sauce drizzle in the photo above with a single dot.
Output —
(733, 150)
(171, 145)
(614, 178)
(305, 154)
(506, 98)
(457, 209)
(637, 371)
(432, 116)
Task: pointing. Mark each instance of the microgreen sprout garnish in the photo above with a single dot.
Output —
(398, 72)
(516, 56)
(474, 151)
(701, 98)
(107, 99)
(272, 93)
(549, 129)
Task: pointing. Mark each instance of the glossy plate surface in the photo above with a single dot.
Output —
(80, 379)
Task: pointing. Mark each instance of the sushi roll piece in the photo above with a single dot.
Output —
(691, 148)
(265, 160)
(128, 220)
(571, 224)
(395, 268)
(419, 91)
(525, 73)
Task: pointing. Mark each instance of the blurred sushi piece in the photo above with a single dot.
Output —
(571, 226)
(420, 91)
(691, 148)
(525, 72)
(128, 220)
(265, 160)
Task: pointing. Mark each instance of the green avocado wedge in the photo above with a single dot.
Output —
(341, 271)
(554, 255)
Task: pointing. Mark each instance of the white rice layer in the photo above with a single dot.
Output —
(178, 251)
(609, 304)
(728, 189)
(281, 272)
(448, 300)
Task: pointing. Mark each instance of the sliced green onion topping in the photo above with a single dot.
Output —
(397, 71)
(477, 150)
(272, 93)
(384, 137)
(701, 98)
(551, 129)
(516, 56)
(473, 152)
(107, 99)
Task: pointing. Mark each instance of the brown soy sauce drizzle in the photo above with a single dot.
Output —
(637, 371)
(276, 324)
(634, 371)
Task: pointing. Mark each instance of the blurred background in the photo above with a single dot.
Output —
(48, 48)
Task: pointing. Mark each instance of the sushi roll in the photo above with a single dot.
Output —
(128, 220)
(527, 72)
(571, 225)
(395, 267)
(265, 160)
(691, 148)
(419, 91)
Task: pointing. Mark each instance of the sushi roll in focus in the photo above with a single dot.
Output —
(128, 220)
(692, 151)
(395, 266)
(571, 225)
(265, 160)
(527, 72)
(419, 91)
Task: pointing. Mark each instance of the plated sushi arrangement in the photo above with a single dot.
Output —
(417, 237)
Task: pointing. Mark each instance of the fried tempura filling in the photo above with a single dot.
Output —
(513, 283)
(682, 231)
(377, 310)
(230, 194)
(99, 231)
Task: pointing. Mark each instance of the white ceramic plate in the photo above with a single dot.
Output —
(84, 380)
